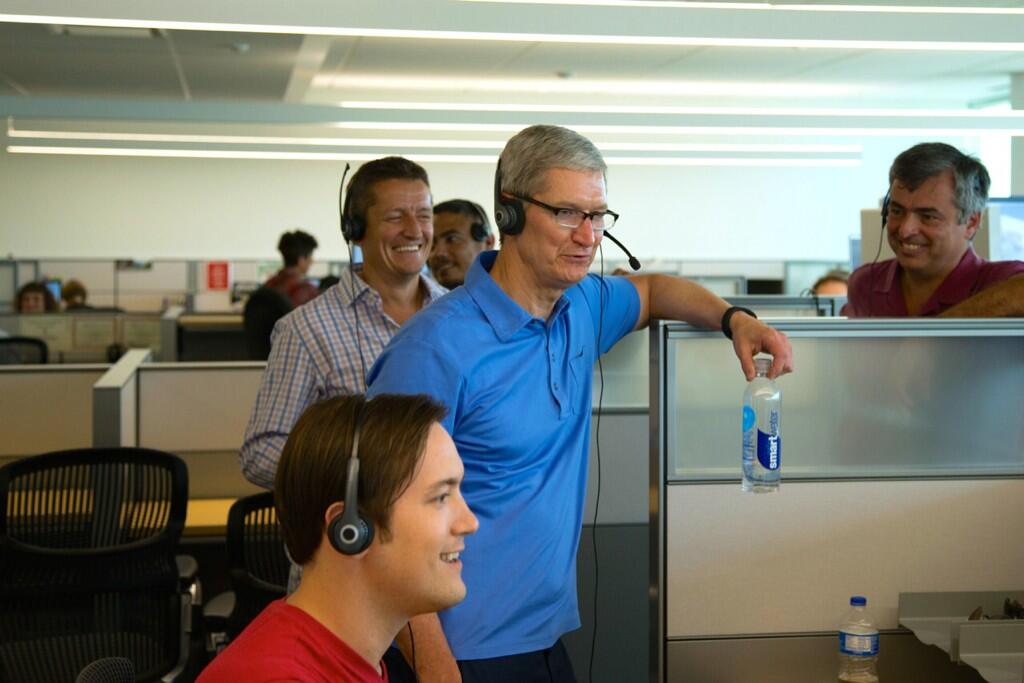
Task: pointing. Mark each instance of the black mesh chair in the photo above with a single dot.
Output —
(264, 307)
(23, 351)
(87, 565)
(258, 567)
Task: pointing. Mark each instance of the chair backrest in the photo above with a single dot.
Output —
(257, 561)
(264, 307)
(87, 566)
(23, 351)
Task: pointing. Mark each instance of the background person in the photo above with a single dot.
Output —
(832, 283)
(35, 297)
(74, 295)
(296, 249)
(355, 597)
(931, 213)
(462, 231)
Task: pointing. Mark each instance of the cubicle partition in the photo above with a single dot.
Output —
(86, 337)
(46, 407)
(903, 471)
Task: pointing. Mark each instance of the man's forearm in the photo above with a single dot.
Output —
(433, 661)
(676, 298)
(1003, 300)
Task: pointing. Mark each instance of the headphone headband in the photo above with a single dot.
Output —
(352, 228)
(350, 533)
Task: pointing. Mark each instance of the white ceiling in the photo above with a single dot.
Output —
(286, 70)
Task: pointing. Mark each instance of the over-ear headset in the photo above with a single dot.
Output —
(509, 212)
(350, 533)
(352, 227)
(481, 228)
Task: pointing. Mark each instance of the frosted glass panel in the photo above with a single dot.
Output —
(625, 373)
(907, 405)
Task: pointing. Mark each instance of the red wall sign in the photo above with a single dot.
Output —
(217, 275)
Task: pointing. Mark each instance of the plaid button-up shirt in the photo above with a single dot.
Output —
(320, 350)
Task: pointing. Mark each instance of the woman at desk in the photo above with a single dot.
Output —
(35, 297)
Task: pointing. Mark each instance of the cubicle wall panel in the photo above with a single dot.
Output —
(196, 407)
(740, 563)
(926, 402)
(46, 408)
(129, 411)
(623, 468)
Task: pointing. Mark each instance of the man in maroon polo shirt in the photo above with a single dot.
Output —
(932, 211)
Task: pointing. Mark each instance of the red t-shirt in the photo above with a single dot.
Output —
(293, 285)
(875, 288)
(284, 643)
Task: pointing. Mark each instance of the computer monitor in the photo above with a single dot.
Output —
(53, 285)
(1011, 227)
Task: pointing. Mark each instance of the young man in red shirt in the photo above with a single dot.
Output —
(368, 566)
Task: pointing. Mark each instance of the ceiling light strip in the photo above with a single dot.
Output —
(577, 86)
(565, 38)
(426, 158)
(866, 112)
(761, 6)
(412, 143)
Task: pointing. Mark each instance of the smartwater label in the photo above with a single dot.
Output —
(769, 450)
(858, 645)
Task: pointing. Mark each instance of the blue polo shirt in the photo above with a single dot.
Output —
(518, 395)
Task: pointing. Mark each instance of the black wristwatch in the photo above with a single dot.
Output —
(727, 318)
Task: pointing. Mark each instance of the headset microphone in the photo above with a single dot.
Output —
(634, 263)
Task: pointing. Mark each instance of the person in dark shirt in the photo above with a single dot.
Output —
(296, 249)
(930, 215)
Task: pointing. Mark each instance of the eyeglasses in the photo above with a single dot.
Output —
(573, 218)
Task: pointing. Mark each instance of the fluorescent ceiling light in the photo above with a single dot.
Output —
(418, 143)
(250, 139)
(686, 110)
(731, 131)
(782, 7)
(425, 158)
(566, 38)
(573, 86)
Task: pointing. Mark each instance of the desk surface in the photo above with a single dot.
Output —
(207, 517)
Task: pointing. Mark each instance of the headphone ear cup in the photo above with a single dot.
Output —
(510, 216)
(352, 229)
(348, 536)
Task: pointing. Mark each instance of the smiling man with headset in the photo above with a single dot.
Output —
(325, 347)
(462, 232)
(511, 355)
(930, 215)
(369, 502)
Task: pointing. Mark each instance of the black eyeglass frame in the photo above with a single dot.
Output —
(586, 214)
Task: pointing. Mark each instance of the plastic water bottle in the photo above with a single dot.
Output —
(762, 436)
(858, 644)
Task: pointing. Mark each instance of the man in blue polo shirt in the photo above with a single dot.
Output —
(511, 354)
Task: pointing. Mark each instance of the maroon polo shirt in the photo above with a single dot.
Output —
(875, 290)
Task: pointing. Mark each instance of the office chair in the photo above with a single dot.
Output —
(23, 351)
(257, 565)
(264, 307)
(87, 565)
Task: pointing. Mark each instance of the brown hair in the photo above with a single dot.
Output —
(39, 288)
(311, 475)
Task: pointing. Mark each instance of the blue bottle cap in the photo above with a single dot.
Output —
(858, 601)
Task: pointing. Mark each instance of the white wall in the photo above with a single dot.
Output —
(103, 207)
